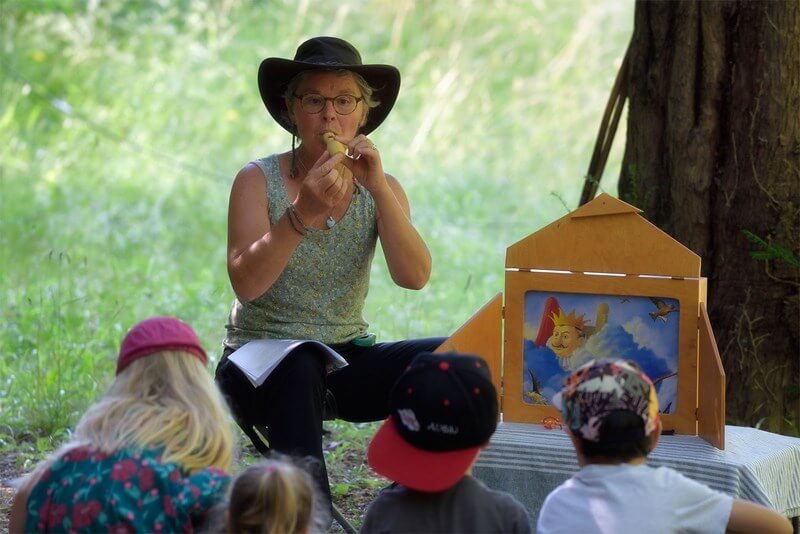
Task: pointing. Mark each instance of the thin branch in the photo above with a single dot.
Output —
(777, 279)
(757, 100)
(729, 196)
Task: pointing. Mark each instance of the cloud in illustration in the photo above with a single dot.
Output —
(646, 336)
(611, 342)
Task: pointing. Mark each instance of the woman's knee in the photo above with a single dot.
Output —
(305, 365)
(300, 373)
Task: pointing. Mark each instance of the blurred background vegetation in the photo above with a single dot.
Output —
(122, 125)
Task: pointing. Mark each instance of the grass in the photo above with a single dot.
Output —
(122, 124)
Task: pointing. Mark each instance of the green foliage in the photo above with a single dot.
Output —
(348, 470)
(122, 124)
(770, 251)
(52, 371)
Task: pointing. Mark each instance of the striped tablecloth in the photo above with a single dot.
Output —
(529, 461)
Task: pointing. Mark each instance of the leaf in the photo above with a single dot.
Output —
(341, 489)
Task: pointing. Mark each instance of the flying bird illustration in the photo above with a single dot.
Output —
(662, 309)
(535, 394)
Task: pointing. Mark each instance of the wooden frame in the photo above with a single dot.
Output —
(518, 283)
(603, 248)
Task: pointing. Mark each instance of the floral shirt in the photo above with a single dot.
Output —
(127, 491)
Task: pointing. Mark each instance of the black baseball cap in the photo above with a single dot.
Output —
(442, 411)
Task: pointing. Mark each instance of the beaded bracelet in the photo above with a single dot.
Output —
(298, 226)
(295, 226)
(297, 216)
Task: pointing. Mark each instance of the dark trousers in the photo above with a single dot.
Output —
(290, 402)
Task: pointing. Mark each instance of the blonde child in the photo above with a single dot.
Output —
(150, 456)
(274, 497)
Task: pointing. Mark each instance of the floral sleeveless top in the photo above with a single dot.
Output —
(320, 294)
(128, 491)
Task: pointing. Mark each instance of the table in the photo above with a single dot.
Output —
(529, 461)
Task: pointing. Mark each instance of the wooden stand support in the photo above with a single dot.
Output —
(482, 335)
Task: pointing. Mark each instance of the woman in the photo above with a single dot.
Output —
(150, 456)
(302, 229)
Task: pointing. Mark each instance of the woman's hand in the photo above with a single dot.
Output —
(322, 189)
(406, 253)
(365, 163)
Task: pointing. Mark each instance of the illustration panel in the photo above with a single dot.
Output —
(563, 330)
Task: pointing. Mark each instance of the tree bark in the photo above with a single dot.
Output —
(712, 152)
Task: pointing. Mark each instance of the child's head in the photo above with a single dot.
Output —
(163, 396)
(611, 411)
(272, 496)
(442, 411)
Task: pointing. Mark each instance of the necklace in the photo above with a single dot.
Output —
(330, 222)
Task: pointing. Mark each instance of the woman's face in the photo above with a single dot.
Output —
(312, 126)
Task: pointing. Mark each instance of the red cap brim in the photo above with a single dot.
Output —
(393, 457)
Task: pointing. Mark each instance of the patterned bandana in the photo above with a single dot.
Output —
(602, 386)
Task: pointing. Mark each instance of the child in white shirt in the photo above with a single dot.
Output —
(611, 413)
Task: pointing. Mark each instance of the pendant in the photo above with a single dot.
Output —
(330, 222)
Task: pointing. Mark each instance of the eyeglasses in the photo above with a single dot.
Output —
(343, 104)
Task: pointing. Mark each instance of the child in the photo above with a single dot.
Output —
(149, 456)
(610, 410)
(442, 411)
(274, 497)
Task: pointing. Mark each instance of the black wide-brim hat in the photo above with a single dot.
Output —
(326, 53)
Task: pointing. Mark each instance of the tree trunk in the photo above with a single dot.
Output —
(713, 152)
